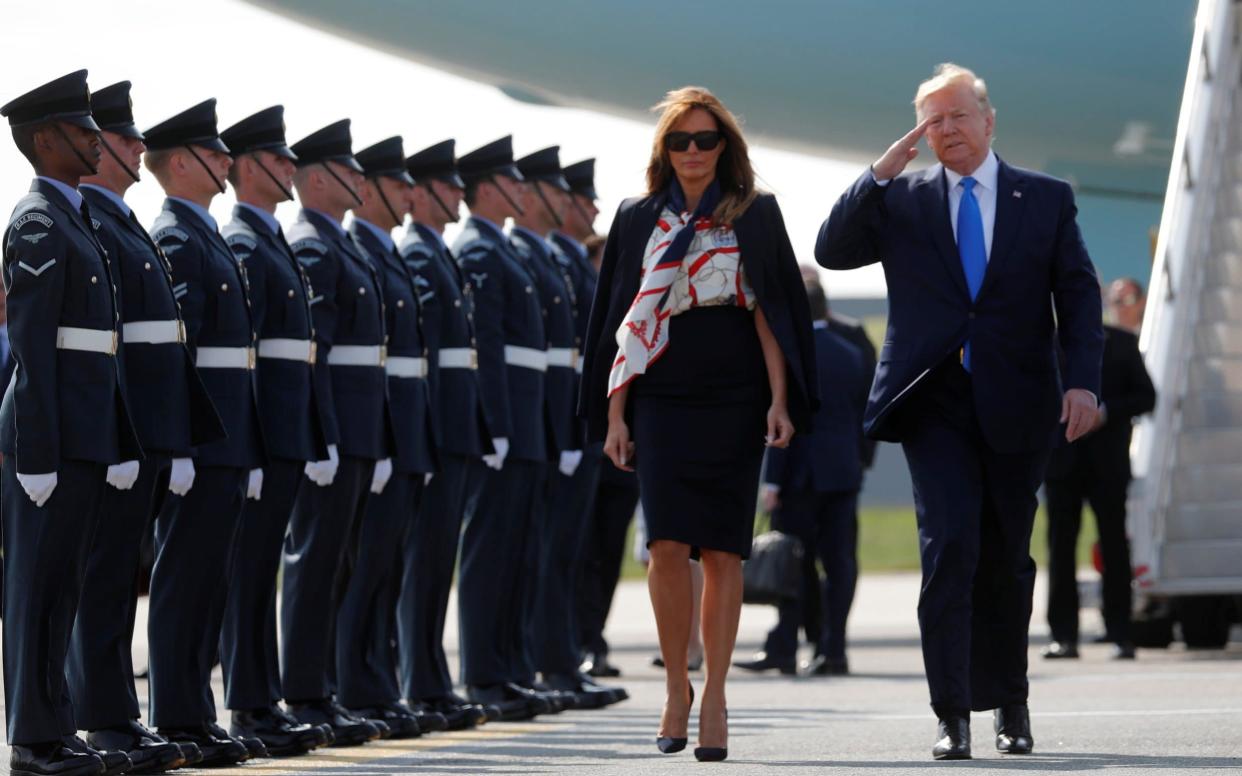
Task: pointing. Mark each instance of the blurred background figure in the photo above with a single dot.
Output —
(1096, 468)
(811, 490)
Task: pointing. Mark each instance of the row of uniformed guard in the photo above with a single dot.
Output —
(325, 399)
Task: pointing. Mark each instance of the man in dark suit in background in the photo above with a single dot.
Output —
(1097, 468)
(977, 256)
(811, 489)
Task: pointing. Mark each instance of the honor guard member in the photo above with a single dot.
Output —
(66, 394)
(430, 548)
(546, 640)
(262, 177)
(504, 495)
(347, 309)
(172, 414)
(366, 666)
(194, 532)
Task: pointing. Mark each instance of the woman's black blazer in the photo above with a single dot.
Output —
(771, 268)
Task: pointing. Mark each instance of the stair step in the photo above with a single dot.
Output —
(1222, 410)
(1200, 559)
(1225, 268)
(1204, 522)
(1208, 446)
(1220, 303)
(1218, 338)
(1207, 484)
(1215, 374)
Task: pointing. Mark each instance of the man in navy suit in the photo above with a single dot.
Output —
(811, 488)
(978, 256)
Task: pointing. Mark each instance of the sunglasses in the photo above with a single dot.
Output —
(680, 141)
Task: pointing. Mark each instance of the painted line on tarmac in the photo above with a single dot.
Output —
(865, 717)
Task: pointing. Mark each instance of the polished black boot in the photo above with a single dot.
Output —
(114, 762)
(347, 730)
(1013, 729)
(215, 751)
(148, 752)
(400, 720)
(52, 759)
(952, 738)
(279, 737)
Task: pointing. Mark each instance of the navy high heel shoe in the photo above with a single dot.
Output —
(712, 754)
(670, 745)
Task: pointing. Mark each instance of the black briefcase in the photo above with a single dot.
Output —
(773, 573)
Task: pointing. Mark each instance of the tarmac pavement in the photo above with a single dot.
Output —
(1169, 712)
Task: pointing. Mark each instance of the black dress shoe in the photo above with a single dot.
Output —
(952, 739)
(52, 759)
(762, 661)
(587, 695)
(459, 713)
(190, 751)
(618, 693)
(400, 720)
(322, 733)
(597, 665)
(347, 730)
(215, 751)
(114, 762)
(1060, 651)
(512, 703)
(254, 747)
(1013, 729)
(278, 736)
(555, 702)
(1123, 651)
(822, 665)
(430, 720)
(148, 752)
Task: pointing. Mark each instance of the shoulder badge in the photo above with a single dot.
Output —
(37, 218)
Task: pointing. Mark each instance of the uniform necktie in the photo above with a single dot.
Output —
(970, 247)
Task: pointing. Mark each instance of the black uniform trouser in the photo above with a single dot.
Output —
(100, 666)
(534, 545)
(1107, 496)
(366, 665)
(602, 554)
(827, 525)
(47, 549)
(189, 587)
(500, 514)
(249, 653)
(324, 521)
(557, 649)
(429, 555)
(975, 509)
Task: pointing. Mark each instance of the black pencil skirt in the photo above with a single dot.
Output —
(698, 425)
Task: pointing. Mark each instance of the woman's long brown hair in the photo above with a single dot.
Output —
(733, 169)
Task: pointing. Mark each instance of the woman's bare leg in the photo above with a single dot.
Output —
(722, 608)
(668, 582)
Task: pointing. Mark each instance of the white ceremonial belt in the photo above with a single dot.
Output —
(578, 366)
(153, 332)
(459, 358)
(566, 357)
(288, 349)
(356, 355)
(406, 366)
(528, 358)
(225, 358)
(90, 340)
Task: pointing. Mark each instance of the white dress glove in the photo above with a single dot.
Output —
(254, 486)
(123, 475)
(569, 461)
(383, 471)
(427, 478)
(323, 472)
(496, 460)
(181, 479)
(38, 486)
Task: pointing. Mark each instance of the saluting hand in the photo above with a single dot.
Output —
(1079, 413)
(899, 154)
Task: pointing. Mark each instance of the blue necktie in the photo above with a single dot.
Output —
(970, 247)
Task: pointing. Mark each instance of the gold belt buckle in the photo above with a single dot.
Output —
(383, 355)
(250, 358)
(181, 331)
(314, 352)
(961, 355)
(115, 342)
(474, 358)
(573, 358)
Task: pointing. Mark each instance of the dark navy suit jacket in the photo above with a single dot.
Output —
(215, 302)
(170, 407)
(448, 322)
(70, 402)
(1038, 266)
(280, 303)
(409, 398)
(829, 458)
(507, 313)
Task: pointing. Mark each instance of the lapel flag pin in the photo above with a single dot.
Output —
(1017, 195)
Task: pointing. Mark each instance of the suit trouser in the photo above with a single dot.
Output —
(189, 587)
(1107, 496)
(975, 510)
(500, 514)
(429, 555)
(556, 633)
(603, 551)
(366, 665)
(47, 549)
(827, 525)
(531, 579)
(324, 522)
(100, 666)
(249, 654)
